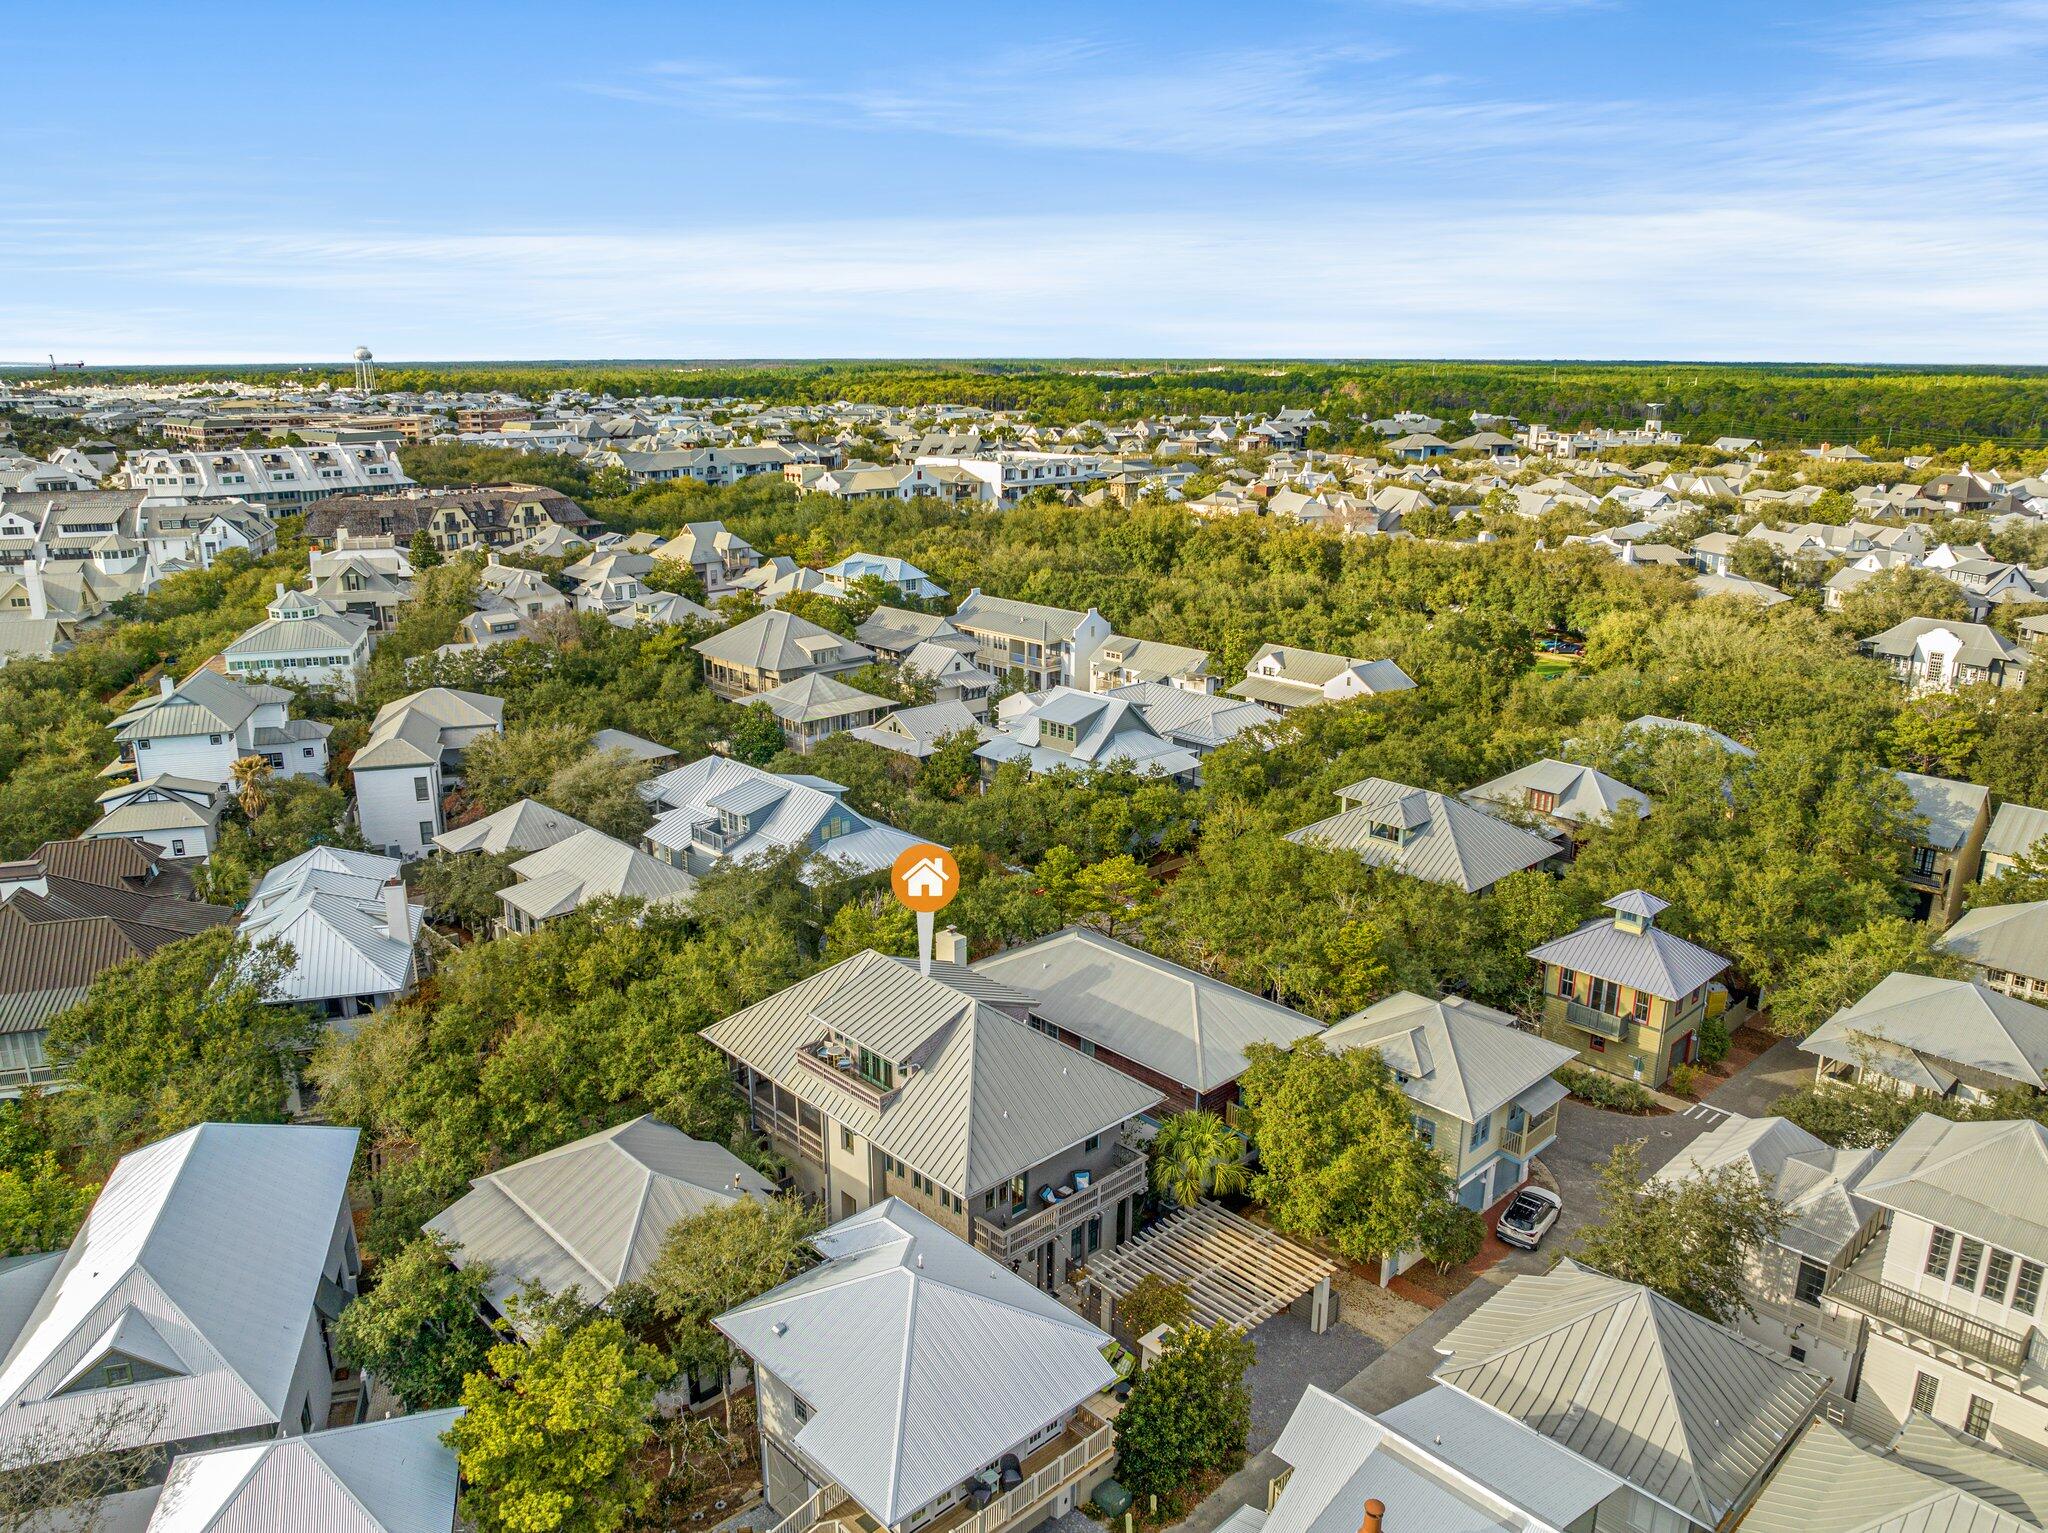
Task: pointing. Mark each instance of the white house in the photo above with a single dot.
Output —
(717, 811)
(411, 759)
(179, 817)
(200, 727)
(353, 935)
(906, 578)
(1286, 678)
(270, 476)
(304, 639)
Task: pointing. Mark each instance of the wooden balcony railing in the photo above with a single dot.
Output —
(1103, 1192)
(1941, 1328)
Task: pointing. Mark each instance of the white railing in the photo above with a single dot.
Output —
(805, 1517)
(1012, 1504)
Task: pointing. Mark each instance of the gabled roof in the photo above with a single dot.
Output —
(781, 641)
(2015, 830)
(1950, 808)
(526, 826)
(1456, 1055)
(1108, 732)
(2009, 938)
(1988, 1179)
(1581, 795)
(1183, 1024)
(815, 698)
(217, 1239)
(917, 731)
(897, 630)
(328, 904)
(1929, 1481)
(1907, 1023)
(919, 1358)
(586, 866)
(1452, 843)
(783, 812)
(414, 730)
(1439, 1462)
(592, 1214)
(1657, 723)
(1198, 720)
(203, 703)
(1816, 1182)
(1687, 1411)
(389, 1476)
(1017, 619)
(990, 1100)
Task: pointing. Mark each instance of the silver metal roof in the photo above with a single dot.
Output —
(1652, 960)
(781, 641)
(592, 1214)
(921, 1360)
(1185, 1025)
(1451, 842)
(212, 1244)
(1832, 1483)
(790, 811)
(1582, 795)
(991, 1100)
(527, 826)
(1684, 1410)
(1950, 808)
(390, 1476)
(591, 865)
(1949, 1021)
(1455, 1055)
(2015, 830)
(1986, 1179)
(328, 904)
(2011, 938)
(1815, 1181)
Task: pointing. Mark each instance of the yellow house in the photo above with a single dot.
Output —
(1627, 996)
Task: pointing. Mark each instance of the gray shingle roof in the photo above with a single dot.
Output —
(1686, 1411)
(1185, 1025)
(921, 1360)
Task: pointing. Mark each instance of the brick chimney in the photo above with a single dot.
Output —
(1375, 1515)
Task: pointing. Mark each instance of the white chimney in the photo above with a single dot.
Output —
(165, 686)
(950, 946)
(397, 919)
(38, 598)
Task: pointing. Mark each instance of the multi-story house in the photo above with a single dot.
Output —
(716, 466)
(905, 578)
(1945, 854)
(1479, 1087)
(363, 584)
(1827, 1224)
(905, 1383)
(412, 757)
(1007, 476)
(304, 639)
(1690, 1416)
(1037, 646)
(1064, 729)
(194, 1307)
(353, 935)
(493, 516)
(2007, 946)
(1932, 654)
(1562, 796)
(814, 708)
(1195, 721)
(200, 727)
(1122, 662)
(267, 476)
(1179, 1031)
(1286, 678)
(716, 812)
(893, 632)
(771, 649)
(716, 555)
(1625, 994)
(1950, 1038)
(2017, 830)
(875, 1081)
(1951, 1289)
(176, 818)
(580, 868)
(1425, 835)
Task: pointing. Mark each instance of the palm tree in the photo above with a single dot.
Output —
(251, 776)
(1197, 1153)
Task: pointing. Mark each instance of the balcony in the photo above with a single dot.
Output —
(1532, 1136)
(1934, 1327)
(1604, 1024)
(1018, 1239)
(835, 1062)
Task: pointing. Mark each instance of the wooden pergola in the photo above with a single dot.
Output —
(1233, 1270)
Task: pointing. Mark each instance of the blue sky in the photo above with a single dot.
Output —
(1471, 178)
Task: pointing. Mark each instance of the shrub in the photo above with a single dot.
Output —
(1685, 1080)
(1714, 1041)
(1600, 1089)
(1451, 1235)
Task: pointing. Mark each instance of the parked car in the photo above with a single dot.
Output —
(1526, 1220)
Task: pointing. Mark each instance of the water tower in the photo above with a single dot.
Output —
(366, 371)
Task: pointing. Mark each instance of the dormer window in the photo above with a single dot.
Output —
(876, 1070)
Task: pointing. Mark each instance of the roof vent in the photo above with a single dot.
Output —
(780, 1328)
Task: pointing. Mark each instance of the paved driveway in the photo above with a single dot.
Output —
(1586, 1136)
(1751, 1090)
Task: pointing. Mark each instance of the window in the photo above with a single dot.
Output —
(802, 1411)
(118, 1374)
(1481, 1132)
(1425, 1130)
(213, 739)
(988, 1201)
(1978, 1422)
(306, 1416)
(1997, 1274)
(426, 831)
(1938, 1250)
(1925, 1388)
(1799, 1354)
(1811, 1283)
(1923, 861)
(1093, 1141)
(1604, 995)
(419, 789)
(1565, 982)
(1969, 1261)
(846, 1139)
(1641, 1008)
(876, 1070)
(2026, 1293)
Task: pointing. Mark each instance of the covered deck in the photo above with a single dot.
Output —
(1234, 1271)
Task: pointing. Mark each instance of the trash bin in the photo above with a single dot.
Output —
(1111, 1499)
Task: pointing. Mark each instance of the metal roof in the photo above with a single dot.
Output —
(389, 1476)
(816, 698)
(2015, 830)
(414, 730)
(592, 1214)
(329, 905)
(776, 641)
(2010, 938)
(1988, 1179)
(1686, 1411)
(1832, 1483)
(1950, 808)
(1450, 841)
(793, 811)
(1185, 1025)
(1579, 793)
(1651, 960)
(591, 865)
(217, 1240)
(920, 1359)
(526, 826)
(1452, 1054)
(1952, 1021)
(1816, 1182)
(1342, 1456)
(991, 1100)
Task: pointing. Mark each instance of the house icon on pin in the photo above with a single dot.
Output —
(925, 877)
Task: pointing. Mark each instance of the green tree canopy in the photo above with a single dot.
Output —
(1851, 965)
(1189, 1413)
(420, 1329)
